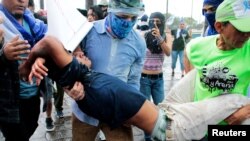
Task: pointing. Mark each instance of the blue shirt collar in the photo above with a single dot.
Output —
(100, 26)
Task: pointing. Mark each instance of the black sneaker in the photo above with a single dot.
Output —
(59, 114)
(49, 124)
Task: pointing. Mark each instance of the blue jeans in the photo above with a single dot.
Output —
(155, 88)
(152, 87)
(175, 54)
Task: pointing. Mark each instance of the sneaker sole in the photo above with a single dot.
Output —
(49, 130)
(60, 116)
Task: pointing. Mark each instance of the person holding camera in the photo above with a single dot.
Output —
(151, 82)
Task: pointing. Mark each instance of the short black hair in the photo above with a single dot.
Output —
(31, 3)
(98, 11)
(225, 23)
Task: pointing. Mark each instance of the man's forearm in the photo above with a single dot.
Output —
(50, 48)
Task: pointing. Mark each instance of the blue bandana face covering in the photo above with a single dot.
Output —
(121, 27)
(210, 18)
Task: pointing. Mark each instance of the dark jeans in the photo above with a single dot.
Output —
(107, 98)
(58, 98)
(29, 114)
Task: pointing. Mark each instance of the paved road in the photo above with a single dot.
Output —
(63, 126)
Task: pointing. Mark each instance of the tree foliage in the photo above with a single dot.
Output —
(190, 22)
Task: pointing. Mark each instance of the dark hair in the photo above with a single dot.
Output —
(98, 11)
(144, 18)
(31, 3)
(152, 43)
(83, 12)
(104, 12)
(161, 17)
(225, 23)
(40, 17)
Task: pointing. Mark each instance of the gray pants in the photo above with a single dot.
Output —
(190, 120)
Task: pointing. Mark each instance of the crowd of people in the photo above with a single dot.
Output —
(115, 75)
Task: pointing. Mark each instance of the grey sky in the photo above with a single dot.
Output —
(180, 8)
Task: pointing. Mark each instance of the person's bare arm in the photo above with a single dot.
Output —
(51, 47)
(15, 48)
(48, 48)
(1, 35)
(239, 116)
(76, 92)
(164, 46)
(38, 70)
(188, 66)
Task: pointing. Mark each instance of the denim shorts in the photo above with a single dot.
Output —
(106, 98)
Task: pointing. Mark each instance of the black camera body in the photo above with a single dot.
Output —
(152, 43)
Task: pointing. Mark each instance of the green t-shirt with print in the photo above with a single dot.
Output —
(219, 72)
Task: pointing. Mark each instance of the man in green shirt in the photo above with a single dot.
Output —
(219, 58)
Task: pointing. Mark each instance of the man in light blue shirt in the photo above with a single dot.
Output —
(116, 49)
